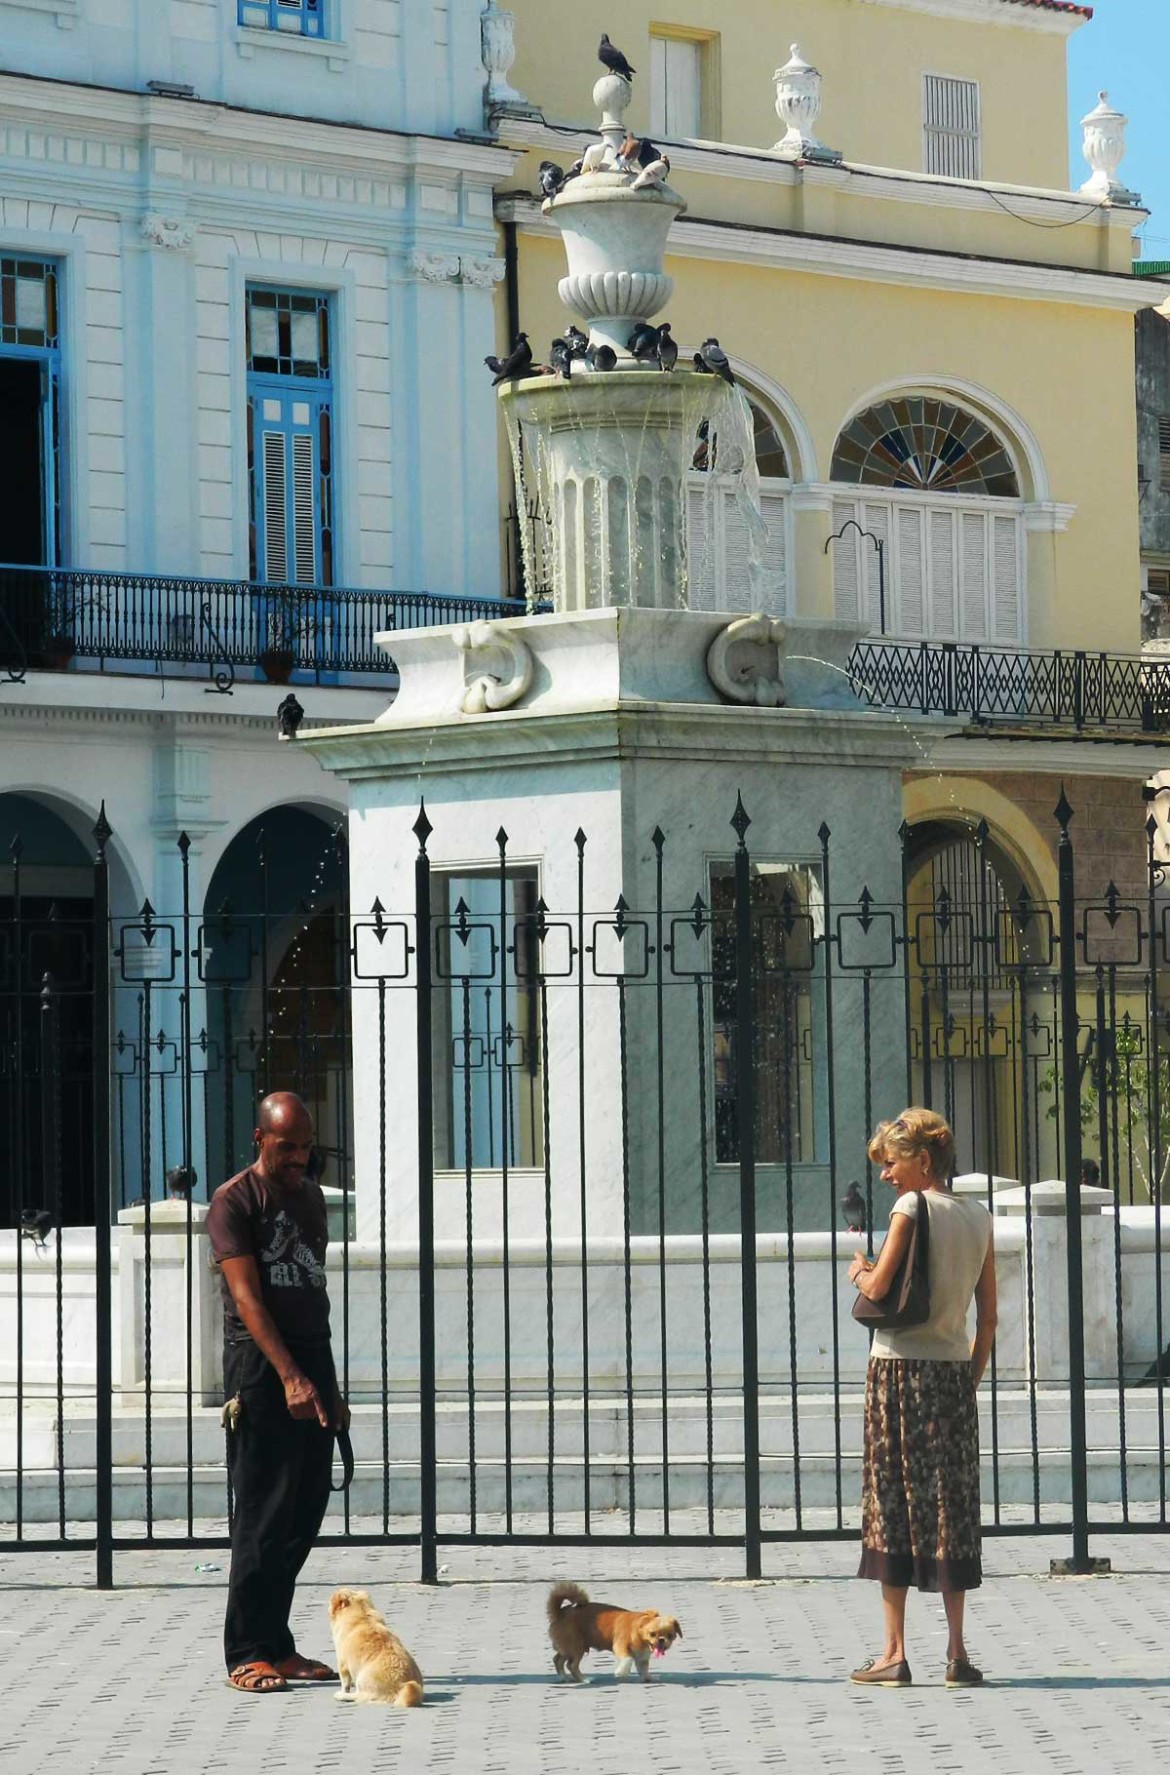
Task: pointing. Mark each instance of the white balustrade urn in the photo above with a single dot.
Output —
(798, 106)
(433, 268)
(745, 662)
(1105, 129)
(482, 274)
(170, 233)
(497, 32)
(497, 668)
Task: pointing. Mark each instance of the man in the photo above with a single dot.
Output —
(268, 1233)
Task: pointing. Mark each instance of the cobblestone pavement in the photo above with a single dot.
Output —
(130, 1682)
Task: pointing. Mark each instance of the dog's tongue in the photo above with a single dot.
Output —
(659, 1652)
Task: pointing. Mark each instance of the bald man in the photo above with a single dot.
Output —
(269, 1232)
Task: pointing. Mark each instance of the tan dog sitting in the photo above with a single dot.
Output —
(373, 1664)
(577, 1626)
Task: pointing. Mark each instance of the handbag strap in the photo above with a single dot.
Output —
(345, 1451)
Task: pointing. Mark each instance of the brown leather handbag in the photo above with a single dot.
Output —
(907, 1302)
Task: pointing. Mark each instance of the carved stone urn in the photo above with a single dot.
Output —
(1104, 129)
(798, 105)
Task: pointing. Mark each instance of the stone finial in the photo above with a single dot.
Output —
(798, 105)
(497, 35)
(1104, 129)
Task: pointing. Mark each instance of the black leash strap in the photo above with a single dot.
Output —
(345, 1450)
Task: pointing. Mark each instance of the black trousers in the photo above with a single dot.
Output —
(280, 1470)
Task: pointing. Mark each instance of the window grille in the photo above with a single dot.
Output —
(951, 127)
(1164, 453)
(676, 88)
(300, 18)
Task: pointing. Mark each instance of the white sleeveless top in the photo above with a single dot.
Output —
(960, 1231)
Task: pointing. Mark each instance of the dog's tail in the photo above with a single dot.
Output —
(409, 1695)
(563, 1596)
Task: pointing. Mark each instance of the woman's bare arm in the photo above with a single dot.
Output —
(985, 1313)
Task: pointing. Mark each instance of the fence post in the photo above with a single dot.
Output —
(1070, 1088)
(428, 1510)
(102, 1215)
(745, 1094)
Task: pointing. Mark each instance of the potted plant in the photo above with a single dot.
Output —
(284, 624)
(57, 651)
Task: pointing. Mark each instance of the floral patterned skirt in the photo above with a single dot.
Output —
(920, 1521)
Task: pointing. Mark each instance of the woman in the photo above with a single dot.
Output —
(920, 1497)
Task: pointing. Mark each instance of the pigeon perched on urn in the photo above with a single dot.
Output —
(596, 158)
(560, 357)
(601, 357)
(578, 341)
(643, 342)
(517, 363)
(713, 359)
(655, 174)
(289, 716)
(552, 177)
(36, 1224)
(854, 1209)
(611, 57)
(667, 348)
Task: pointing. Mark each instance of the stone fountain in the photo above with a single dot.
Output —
(623, 709)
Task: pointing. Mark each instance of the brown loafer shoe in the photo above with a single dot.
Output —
(961, 1675)
(884, 1676)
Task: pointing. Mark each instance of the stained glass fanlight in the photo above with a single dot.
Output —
(925, 444)
(771, 460)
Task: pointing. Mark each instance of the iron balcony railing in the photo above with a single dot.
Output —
(52, 616)
(1064, 689)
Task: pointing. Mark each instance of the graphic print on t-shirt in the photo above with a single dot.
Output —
(288, 1260)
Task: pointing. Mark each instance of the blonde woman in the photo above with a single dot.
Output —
(920, 1519)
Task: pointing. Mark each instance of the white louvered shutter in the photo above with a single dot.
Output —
(973, 575)
(1006, 556)
(275, 506)
(773, 590)
(909, 571)
(951, 128)
(304, 520)
(943, 577)
(733, 565)
(846, 580)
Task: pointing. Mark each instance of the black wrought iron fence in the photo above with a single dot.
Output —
(553, 1129)
(53, 616)
(1072, 688)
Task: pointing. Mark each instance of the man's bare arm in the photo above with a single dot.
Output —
(301, 1396)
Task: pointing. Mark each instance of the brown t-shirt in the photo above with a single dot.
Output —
(287, 1232)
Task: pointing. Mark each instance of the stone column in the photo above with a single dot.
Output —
(812, 565)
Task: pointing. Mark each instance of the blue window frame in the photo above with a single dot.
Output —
(301, 18)
(290, 437)
(30, 411)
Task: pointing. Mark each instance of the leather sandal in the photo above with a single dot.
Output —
(305, 1670)
(883, 1676)
(962, 1675)
(257, 1678)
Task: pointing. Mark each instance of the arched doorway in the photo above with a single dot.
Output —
(720, 545)
(47, 985)
(275, 971)
(980, 1003)
(939, 486)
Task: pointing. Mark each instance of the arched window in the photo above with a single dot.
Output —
(939, 490)
(717, 537)
(926, 444)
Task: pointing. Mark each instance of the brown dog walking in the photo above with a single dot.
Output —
(634, 1636)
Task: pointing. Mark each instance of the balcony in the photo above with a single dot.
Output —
(1098, 692)
(53, 618)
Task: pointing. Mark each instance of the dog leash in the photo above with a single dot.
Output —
(345, 1451)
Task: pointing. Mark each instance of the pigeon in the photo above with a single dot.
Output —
(644, 342)
(36, 1224)
(517, 363)
(714, 360)
(560, 357)
(854, 1209)
(578, 341)
(288, 717)
(701, 364)
(601, 357)
(667, 348)
(655, 174)
(181, 1180)
(552, 177)
(574, 171)
(596, 158)
(612, 58)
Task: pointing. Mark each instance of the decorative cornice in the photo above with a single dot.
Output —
(1032, 15)
(915, 267)
(168, 232)
(1049, 517)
